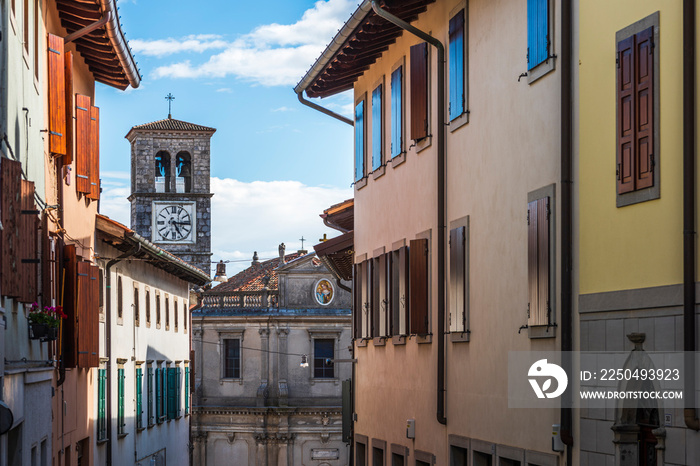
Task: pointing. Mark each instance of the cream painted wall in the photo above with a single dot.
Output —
(639, 245)
(509, 148)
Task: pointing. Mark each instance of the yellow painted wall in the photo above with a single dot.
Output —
(640, 245)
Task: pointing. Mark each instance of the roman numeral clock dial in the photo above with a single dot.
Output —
(173, 223)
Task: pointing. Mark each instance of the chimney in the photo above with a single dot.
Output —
(281, 248)
(255, 258)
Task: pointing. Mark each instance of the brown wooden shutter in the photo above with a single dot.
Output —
(94, 169)
(70, 274)
(644, 104)
(29, 227)
(357, 304)
(386, 285)
(625, 116)
(404, 288)
(532, 271)
(457, 277)
(87, 313)
(538, 261)
(376, 297)
(57, 96)
(93, 320)
(419, 91)
(82, 152)
(10, 208)
(419, 286)
(70, 128)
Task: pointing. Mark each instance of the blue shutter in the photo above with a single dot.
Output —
(360, 141)
(396, 112)
(456, 59)
(537, 32)
(377, 128)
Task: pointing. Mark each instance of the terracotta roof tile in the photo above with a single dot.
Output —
(253, 278)
(170, 124)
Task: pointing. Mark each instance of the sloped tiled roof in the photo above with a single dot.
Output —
(253, 278)
(170, 124)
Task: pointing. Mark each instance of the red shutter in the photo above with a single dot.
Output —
(57, 96)
(10, 208)
(644, 104)
(625, 117)
(82, 152)
(29, 226)
(532, 271)
(419, 286)
(419, 91)
(70, 135)
(70, 275)
(94, 151)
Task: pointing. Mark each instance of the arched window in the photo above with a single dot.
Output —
(162, 172)
(183, 183)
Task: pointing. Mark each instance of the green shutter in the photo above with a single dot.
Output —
(120, 399)
(178, 402)
(172, 392)
(139, 401)
(187, 391)
(149, 390)
(159, 396)
(101, 404)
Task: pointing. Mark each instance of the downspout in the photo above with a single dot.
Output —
(108, 344)
(441, 205)
(566, 223)
(689, 337)
(330, 113)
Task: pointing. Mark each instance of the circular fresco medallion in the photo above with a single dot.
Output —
(324, 292)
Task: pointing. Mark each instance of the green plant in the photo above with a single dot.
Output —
(49, 315)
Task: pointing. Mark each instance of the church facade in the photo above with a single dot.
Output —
(170, 188)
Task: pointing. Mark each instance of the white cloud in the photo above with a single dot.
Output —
(270, 55)
(225, 89)
(283, 109)
(192, 43)
(247, 217)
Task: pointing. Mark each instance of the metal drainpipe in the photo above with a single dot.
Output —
(689, 337)
(108, 345)
(323, 110)
(441, 204)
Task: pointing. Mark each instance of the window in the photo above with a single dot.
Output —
(121, 425)
(539, 41)
(359, 141)
(162, 172)
(101, 404)
(184, 315)
(397, 112)
(419, 91)
(378, 452)
(637, 120)
(324, 353)
(139, 397)
(159, 395)
(357, 310)
(379, 301)
(120, 301)
(360, 450)
(149, 395)
(183, 182)
(157, 310)
(459, 280)
(175, 314)
(102, 291)
(173, 393)
(418, 270)
(398, 455)
(399, 291)
(457, 62)
(187, 390)
(167, 312)
(137, 304)
(377, 133)
(539, 260)
(148, 307)
(459, 450)
(424, 458)
(232, 359)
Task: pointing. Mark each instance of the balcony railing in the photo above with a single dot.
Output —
(263, 299)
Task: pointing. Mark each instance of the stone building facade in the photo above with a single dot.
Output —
(267, 384)
(170, 166)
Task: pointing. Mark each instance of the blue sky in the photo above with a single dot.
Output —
(276, 164)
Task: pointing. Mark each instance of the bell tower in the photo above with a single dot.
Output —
(170, 188)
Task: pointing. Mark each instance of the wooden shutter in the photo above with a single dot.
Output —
(357, 302)
(367, 304)
(419, 91)
(644, 105)
(538, 262)
(82, 150)
(457, 279)
(51, 264)
(419, 286)
(28, 246)
(57, 96)
(93, 318)
(537, 32)
(377, 133)
(397, 112)
(360, 140)
(385, 285)
(376, 297)
(83, 333)
(70, 333)
(404, 287)
(192, 370)
(70, 105)
(94, 154)
(456, 62)
(625, 117)
(10, 216)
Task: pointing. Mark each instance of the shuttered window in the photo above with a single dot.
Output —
(379, 299)
(172, 392)
(357, 302)
(87, 322)
(121, 424)
(82, 149)
(101, 404)
(538, 218)
(399, 299)
(397, 112)
(459, 292)
(360, 140)
(137, 306)
(70, 275)
(372, 299)
(28, 247)
(159, 395)
(537, 32)
(178, 396)
(149, 395)
(635, 112)
(139, 398)
(94, 154)
(377, 133)
(175, 314)
(57, 95)
(70, 109)
(419, 269)
(419, 91)
(457, 65)
(10, 215)
(167, 313)
(187, 390)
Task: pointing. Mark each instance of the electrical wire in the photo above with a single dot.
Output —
(252, 349)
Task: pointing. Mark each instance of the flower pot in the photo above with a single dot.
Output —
(52, 334)
(38, 331)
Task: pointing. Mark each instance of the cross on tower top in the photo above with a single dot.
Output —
(302, 242)
(170, 97)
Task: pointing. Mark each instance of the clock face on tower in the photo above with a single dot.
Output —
(173, 223)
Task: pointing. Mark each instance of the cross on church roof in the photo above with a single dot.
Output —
(302, 242)
(170, 97)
